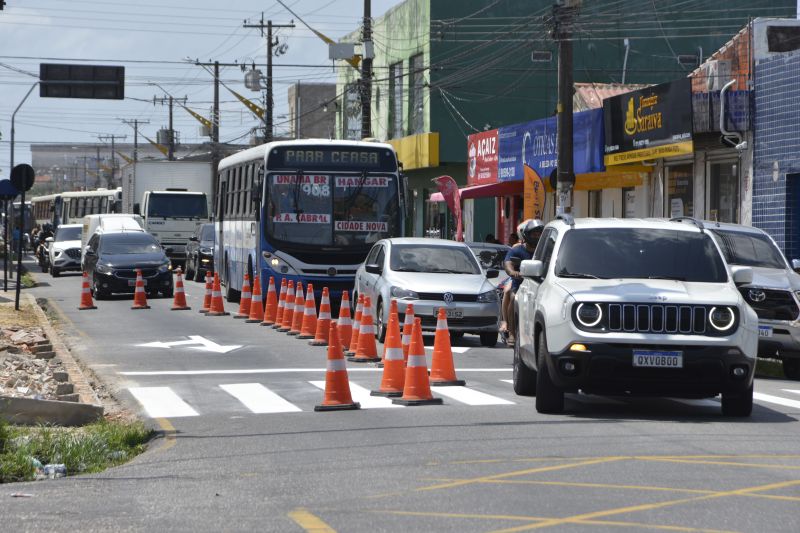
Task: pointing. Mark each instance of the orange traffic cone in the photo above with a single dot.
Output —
(367, 351)
(179, 303)
(417, 390)
(86, 295)
(209, 289)
(344, 321)
(323, 320)
(217, 307)
(270, 313)
(256, 309)
(139, 298)
(356, 326)
(394, 371)
(245, 299)
(337, 385)
(309, 327)
(299, 304)
(281, 306)
(288, 309)
(442, 370)
(408, 326)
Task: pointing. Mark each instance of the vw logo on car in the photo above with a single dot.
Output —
(756, 295)
(448, 298)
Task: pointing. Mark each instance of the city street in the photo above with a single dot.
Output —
(241, 438)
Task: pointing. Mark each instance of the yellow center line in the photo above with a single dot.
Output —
(309, 522)
(718, 463)
(170, 437)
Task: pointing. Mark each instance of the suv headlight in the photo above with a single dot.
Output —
(486, 297)
(588, 315)
(103, 269)
(165, 267)
(405, 294)
(721, 318)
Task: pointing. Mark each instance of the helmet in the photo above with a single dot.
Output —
(530, 230)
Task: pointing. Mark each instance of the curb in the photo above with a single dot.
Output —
(28, 412)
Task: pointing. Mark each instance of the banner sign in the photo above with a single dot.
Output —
(649, 124)
(362, 226)
(535, 144)
(452, 196)
(482, 155)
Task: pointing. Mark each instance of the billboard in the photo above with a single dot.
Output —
(482, 155)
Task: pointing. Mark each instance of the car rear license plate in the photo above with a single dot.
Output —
(657, 359)
(765, 331)
(451, 313)
(132, 282)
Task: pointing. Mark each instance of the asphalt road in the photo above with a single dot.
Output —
(482, 461)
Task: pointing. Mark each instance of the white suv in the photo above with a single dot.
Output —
(622, 306)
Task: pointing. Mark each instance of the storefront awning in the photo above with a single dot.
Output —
(491, 190)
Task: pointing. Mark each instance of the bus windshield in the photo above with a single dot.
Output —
(165, 205)
(332, 210)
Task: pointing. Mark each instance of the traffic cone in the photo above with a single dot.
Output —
(179, 303)
(408, 326)
(323, 320)
(417, 390)
(217, 307)
(86, 295)
(394, 371)
(209, 289)
(281, 306)
(351, 350)
(139, 298)
(442, 370)
(345, 323)
(256, 309)
(367, 351)
(271, 312)
(245, 299)
(288, 309)
(299, 304)
(309, 327)
(337, 385)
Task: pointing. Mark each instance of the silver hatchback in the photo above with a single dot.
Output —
(430, 273)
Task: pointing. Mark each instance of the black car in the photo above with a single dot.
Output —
(200, 253)
(112, 259)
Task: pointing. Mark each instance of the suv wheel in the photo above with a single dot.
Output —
(791, 368)
(549, 398)
(524, 377)
(55, 272)
(190, 272)
(740, 404)
(381, 323)
(489, 339)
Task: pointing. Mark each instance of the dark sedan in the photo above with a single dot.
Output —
(200, 253)
(112, 260)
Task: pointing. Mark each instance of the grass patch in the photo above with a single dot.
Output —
(769, 368)
(27, 280)
(87, 449)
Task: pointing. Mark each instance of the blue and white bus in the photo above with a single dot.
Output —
(306, 210)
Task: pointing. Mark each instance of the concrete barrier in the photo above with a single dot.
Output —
(30, 412)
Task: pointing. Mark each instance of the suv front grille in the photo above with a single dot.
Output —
(651, 318)
(773, 304)
(131, 274)
(73, 253)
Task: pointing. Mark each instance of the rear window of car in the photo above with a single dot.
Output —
(640, 253)
(749, 249)
(207, 233)
(433, 259)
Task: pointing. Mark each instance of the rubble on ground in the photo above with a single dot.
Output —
(28, 368)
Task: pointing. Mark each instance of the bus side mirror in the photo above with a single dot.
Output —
(136, 210)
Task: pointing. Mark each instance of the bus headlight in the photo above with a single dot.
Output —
(281, 266)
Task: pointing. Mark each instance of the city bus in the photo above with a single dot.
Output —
(305, 210)
(71, 207)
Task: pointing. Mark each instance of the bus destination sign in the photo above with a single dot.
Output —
(339, 158)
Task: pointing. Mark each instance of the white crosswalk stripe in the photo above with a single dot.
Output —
(162, 402)
(469, 396)
(795, 404)
(362, 396)
(259, 399)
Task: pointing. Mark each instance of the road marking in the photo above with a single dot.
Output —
(509, 381)
(259, 399)
(169, 434)
(793, 391)
(205, 344)
(277, 371)
(776, 400)
(454, 349)
(362, 396)
(161, 402)
(309, 522)
(470, 396)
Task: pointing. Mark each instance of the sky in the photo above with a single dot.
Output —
(152, 39)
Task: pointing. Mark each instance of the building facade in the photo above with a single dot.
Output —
(312, 113)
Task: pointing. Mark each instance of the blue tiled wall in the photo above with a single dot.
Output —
(777, 138)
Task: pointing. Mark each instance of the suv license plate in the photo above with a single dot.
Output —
(765, 331)
(132, 282)
(657, 359)
(451, 313)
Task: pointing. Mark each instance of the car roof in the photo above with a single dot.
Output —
(647, 223)
(487, 245)
(70, 226)
(124, 234)
(423, 241)
(733, 227)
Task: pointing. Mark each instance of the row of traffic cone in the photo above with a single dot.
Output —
(139, 295)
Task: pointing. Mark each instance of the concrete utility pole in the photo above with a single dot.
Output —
(135, 124)
(170, 102)
(112, 138)
(268, 134)
(366, 73)
(563, 16)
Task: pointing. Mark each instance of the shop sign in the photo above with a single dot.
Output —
(482, 152)
(534, 144)
(649, 124)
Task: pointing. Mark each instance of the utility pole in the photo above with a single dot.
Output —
(564, 12)
(268, 134)
(366, 73)
(97, 167)
(135, 123)
(170, 101)
(113, 138)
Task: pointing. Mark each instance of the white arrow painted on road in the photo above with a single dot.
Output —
(207, 345)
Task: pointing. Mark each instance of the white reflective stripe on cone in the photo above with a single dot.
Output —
(417, 360)
(216, 294)
(256, 298)
(441, 324)
(366, 328)
(406, 339)
(325, 315)
(394, 354)
(308, 311)
(336, 365)
(345, 321)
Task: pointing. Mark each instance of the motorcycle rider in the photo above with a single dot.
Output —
(529, 232)
(41, 249)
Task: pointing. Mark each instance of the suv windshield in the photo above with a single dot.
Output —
(165, 205)
(129, 243)
(437, 259)
(640, 253)
(207, 233)
(68, 234)
(749, 249)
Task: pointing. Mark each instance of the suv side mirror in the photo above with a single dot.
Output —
(742, 275)
(373, 268)
(532, 268)
(492, 273)
(795, 264)
(136, 209)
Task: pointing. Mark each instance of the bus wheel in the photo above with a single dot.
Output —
(231, 294)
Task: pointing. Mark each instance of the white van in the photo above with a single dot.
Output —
(108, 223)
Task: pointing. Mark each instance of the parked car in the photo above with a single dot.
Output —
(200, 253)
(491, 257)
(430, 273)
(64, 251)
(112, 260)
(773, 294)
(625, 306)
